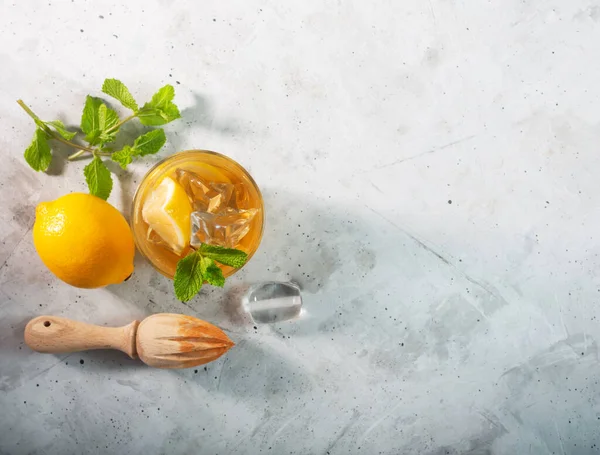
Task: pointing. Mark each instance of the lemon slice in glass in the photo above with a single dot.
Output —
(167, 211)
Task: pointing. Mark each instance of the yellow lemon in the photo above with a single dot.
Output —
(167, 212)
(84, 240)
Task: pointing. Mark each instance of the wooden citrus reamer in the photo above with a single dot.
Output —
(162, 340)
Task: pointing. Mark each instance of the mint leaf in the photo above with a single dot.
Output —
(123, 156)
(107, 118)
(188, 277)
(211, 272)
(163, 97)
(150, 116)
(228, 256)
(38, 154)
(160, 109)
(94, 137)
(89, 118)
(149, 143)
(98, 178)
(117, 90)
(96, 120)
(59, 127)
(146, 144)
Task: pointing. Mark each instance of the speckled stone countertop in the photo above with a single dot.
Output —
(430, 172)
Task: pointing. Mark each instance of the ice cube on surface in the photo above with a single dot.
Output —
(205, 196)
(226, 228)
(273, 302)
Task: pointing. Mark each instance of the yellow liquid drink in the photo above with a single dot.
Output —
(228, 207)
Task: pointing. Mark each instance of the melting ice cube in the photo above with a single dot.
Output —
(205, 196)
(273, 302)
(241, 198)
(221, 214)
(225, 229)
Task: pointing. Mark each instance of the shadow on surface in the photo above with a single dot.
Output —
(274, 372)
(203, 114)
(102, 360)
(60, 153)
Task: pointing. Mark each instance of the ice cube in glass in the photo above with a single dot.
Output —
(225, 229)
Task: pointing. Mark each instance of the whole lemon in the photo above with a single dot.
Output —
(84, 240)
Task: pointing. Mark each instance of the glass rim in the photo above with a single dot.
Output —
(136, 194)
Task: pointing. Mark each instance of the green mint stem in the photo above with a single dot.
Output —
(29, 111)
(76, 155)
(118, 125)
(82, 149)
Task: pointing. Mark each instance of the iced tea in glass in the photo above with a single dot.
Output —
(226, 202)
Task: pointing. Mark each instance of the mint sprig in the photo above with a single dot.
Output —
(227, 256)
(146, 144)
(200, 266)
(100, 125)
(160, 109)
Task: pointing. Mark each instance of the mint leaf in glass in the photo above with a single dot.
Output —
(188, 277)
(227, 256)
(211, 272)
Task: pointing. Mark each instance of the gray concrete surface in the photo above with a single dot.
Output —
(430, 171)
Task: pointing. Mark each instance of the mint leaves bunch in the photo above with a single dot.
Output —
(200, 266)
(100, 124)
